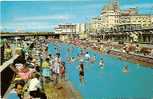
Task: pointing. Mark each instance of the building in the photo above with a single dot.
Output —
(112, 19)
(65, 29)
(71, 30)
(139, 21)
(130, 11)
(109, 17)
(81, 29)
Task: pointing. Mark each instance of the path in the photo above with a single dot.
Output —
(63, 90)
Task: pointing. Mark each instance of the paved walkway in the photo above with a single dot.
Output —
(63, 90)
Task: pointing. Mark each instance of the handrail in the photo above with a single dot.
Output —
(7, 63)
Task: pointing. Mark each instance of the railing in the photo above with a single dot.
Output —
(7, 75)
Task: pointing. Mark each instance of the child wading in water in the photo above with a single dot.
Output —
(101, 63)
(125, 69)
(62, 71)
(81, 73)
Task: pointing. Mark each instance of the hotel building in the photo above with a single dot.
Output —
(114, 20)
(112, 17)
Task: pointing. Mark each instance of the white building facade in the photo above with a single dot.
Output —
(66, 29)
(111, 18)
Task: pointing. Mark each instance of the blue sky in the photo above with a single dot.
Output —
(45, 15)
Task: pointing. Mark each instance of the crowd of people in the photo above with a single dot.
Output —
(33, 68)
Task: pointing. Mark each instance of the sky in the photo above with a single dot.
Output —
(45, 15)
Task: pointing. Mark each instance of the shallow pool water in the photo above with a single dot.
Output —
(109, 82)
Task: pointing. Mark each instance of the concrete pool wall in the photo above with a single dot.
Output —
(133, 57)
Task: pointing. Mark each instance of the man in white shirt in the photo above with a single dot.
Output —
(56, 71)
(56, 68)
(34, 86)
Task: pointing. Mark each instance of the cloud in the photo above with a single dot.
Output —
(145, 5)
(35, 23)
(43, 18)
(26, 26)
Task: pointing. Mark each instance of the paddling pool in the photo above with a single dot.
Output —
(110, 82)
